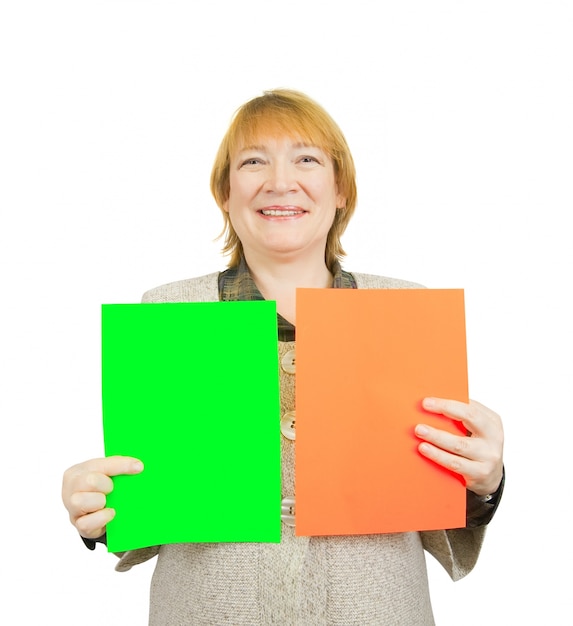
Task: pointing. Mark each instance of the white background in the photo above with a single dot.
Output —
(459, 116)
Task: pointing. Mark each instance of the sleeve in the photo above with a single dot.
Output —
(134, 557)
(126, 559)
(457, 549)
(90, 544)
(481, 509)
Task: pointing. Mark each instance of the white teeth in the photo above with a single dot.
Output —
(279, 212)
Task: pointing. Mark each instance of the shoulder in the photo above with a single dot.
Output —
(200, 289)
(371, 281)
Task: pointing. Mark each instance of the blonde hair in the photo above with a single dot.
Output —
(290, 113)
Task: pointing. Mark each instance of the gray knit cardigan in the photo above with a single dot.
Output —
(365, 580)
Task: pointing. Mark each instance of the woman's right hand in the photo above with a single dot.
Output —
(84, 490)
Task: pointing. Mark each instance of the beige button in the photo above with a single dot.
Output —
(287, 425)
(287, 511)
(288, 362)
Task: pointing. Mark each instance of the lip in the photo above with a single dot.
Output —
(276, 211)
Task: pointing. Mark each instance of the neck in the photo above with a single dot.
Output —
(278, 279)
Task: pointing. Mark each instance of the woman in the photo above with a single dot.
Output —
(285, 182)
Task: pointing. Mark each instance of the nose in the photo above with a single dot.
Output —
(281, 178)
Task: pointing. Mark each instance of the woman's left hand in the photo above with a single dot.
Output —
(477, 457)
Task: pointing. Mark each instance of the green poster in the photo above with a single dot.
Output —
(192, 390)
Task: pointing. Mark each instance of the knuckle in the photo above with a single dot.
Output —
(69, 478)
(461, 445)
(493, 454)
(72, 470)
(82, 504)
(481, 474)
(496, 458)
(78, 504)
(92, 525)
(84, 526)
(455, 465)
(91, 479)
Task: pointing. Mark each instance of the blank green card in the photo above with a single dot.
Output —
(192, 390)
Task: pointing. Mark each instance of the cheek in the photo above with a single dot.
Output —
(241, 191)
(233, 201)
(328, 189)
(329, 196)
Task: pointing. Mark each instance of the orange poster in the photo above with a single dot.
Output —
(365, 359)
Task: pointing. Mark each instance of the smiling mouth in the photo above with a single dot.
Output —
(281, 212)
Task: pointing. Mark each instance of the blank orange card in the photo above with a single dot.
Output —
(364, 361)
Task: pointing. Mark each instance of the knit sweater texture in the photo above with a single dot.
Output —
(362, 580)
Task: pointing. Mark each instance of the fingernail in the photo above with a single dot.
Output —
(422, 430)
(138, 466)
(429, 403)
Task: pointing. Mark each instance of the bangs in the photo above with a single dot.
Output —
(252, 127)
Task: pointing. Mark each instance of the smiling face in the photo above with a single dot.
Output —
(281, 114)
(282, 198)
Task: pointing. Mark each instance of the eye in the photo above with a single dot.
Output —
(308, 159)
(251, 161)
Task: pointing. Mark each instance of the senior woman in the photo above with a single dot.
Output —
(284, 180)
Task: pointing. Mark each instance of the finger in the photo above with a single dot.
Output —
(478, 462)
(475, 417)
(113, 465)
(481, 477)
(453, 462)
(452, 408)
(92, 481)
(93, 525)
(116, 465)
(94, 475)
(83, 503)
(466, 447)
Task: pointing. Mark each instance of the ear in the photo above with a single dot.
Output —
(340, 201)
(225, 205)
